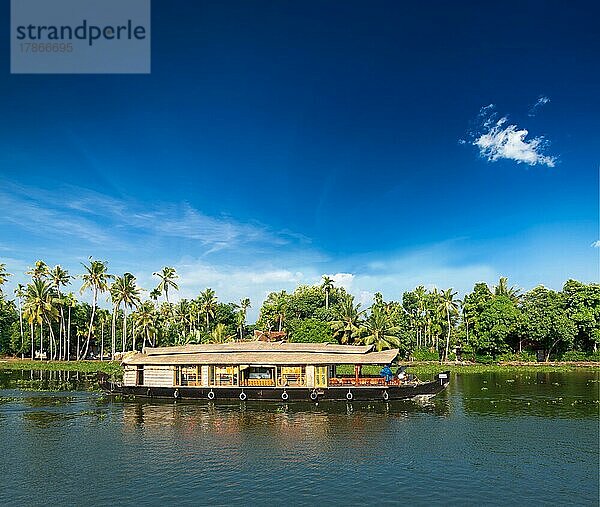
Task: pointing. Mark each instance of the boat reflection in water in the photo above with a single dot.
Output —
(222, 418)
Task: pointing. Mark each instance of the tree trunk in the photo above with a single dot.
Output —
(69, 337)
(89, 336)
(52, 340)
(32, 341)
(113, 331)
(448, 336)
(102, 342)
(124, 337)
(22, 334)
(41, 340)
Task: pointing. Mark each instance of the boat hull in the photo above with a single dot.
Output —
(286, 394)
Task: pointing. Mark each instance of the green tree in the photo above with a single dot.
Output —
(20, 294)
(167, 278)
(379, 331)
(546, 320)
(498, 325)
(449, 306)
(582, 303)
(219, 334)
(59, 278)
(208, 305)
(309, 331)
(348, 319)
(3, 275)
(124, 290)
(327, 286)
(502, 289)
(95, 278)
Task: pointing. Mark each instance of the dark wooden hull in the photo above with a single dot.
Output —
(285, 394)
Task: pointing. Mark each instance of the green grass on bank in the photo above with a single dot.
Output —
(429, 369)
(110, 367)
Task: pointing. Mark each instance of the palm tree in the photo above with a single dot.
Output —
(146, 320)
(39, 271)
(167, 279)
(241, 320)
(3, 275)
(219, 334)
(280, 305)
(60, 277)
(448, 305)
(96, 278)
(39, 308)
(346, 327)
(208, 303)
(379, 331)
(20, 294)
(502, 289)
(124, 290)
(69, 301)
(327, 285)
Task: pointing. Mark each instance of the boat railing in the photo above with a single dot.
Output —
(361, 381)
(292, 379)
(258, 382)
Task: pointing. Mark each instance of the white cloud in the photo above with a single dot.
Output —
(541, 101)
(596, 244)
(85, 218)
(496, 139)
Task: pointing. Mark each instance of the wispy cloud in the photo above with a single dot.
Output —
(596, 244)
(496, 139)
(541, 101)
(85, 217)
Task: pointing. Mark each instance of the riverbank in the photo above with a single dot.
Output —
(110, 367)
(420, 368)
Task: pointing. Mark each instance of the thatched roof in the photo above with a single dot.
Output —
(263, 353)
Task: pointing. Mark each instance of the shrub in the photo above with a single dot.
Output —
(425, 354)
(524, 356)
(578, 355)
(484, 359)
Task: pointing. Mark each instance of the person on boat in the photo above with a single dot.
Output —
(401, 373)
(386, 372)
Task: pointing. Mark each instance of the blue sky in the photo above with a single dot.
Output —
(272, 143)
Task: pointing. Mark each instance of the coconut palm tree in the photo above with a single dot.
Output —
(60, 277)
(3, 275)
(449, 306)
(241, 317)
(327, 285)
(69, 301)
(219, 334)
(20, 294)
(502, 289)
(208, 304)
(125, 291)
(95, 278)
(146, 319)
(39, 271)
(346, 327)
(39, 308)
(167, 279)
(379, 331)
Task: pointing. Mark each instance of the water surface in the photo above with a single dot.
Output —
(489, 439)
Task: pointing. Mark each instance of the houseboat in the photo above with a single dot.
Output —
(273, 371)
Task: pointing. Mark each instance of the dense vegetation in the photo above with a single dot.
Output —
(43, 320)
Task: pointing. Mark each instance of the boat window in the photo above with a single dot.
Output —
(189, 375)
(292, 376)
(223, 375)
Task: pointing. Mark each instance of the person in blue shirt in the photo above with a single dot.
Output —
(386, 372)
